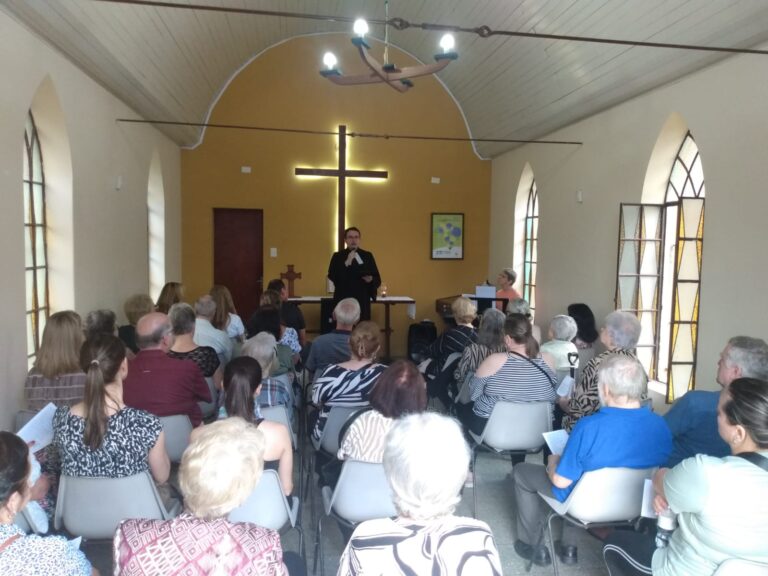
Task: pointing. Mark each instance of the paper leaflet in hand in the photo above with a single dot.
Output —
(40, 428)
(556, 440)
(566, 386)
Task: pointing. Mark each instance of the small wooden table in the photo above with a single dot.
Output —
(386, 301)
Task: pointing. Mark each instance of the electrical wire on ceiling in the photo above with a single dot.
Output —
(335, 133)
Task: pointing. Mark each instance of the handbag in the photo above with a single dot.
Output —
(756, 459)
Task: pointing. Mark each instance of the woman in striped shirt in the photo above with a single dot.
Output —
(400, 390)
(349, 383)
(514, 376)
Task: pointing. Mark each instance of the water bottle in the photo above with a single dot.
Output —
(665, 525)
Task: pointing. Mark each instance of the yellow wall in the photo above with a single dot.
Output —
(282, 88)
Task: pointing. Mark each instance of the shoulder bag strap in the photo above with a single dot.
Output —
(756, 459)
(539, 368)
(8, 542)
(346, 426)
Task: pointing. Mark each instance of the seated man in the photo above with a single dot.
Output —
(333, 348)
(693, 418)
(207, 335)
(620, 434)
(159, 384)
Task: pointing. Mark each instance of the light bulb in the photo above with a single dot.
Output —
(329, 60)
(447, 43)
(360, 27)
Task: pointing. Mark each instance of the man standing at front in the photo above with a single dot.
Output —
(354, 273)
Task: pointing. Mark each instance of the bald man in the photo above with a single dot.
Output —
(159, 384)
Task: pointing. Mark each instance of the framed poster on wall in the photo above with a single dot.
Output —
(447, 236)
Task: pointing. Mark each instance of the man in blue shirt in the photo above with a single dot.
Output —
(333, 348)
(693, 418)
(620, 434)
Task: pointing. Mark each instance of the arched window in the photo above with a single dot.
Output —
(531, 246)
(156, 227)
(36, 254)
(659, 271)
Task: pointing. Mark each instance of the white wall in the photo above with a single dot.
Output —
(109, 226)
(725, 109)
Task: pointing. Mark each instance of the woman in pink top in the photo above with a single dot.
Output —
(505, 281)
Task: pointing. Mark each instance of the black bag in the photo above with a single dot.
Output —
(420, 336)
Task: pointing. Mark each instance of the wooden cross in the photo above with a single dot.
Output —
(342, 174)
(290, 276)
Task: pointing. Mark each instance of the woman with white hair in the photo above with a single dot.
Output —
(182, 317)
(275, 390)
(562, 330)
(619, 335)
(219, 470)
(425, 460)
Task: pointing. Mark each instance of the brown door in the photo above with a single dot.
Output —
(238, 255)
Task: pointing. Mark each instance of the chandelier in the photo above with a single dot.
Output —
(386, 73)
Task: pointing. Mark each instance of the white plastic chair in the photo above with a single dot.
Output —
(362, 493)
(177, 431)
(739, 567)
(209, 408)
(93, 507)
(513, 427)
(604, 497)
(267, 506)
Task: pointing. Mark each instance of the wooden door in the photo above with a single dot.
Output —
(238, 255)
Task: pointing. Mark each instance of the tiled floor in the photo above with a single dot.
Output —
(495, 506)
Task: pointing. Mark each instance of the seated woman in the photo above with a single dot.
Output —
(562, 330)
(619, 335)
(171, 293)
(275, 390)
(454, 340)
(400, 390)
(21, 554)
(505, 281)
(242, 384)
(101, 436)
(586, 335)
(182, 317)
(425, 460)
(521, 306)
(721, 503)
(135, 307)
(267, 319)
(226, 317)
(348, 383)
(56, 375)
(219, 470)
(515, 376)
(490, 340)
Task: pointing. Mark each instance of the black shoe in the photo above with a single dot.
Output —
(539, 555)
(567, 554)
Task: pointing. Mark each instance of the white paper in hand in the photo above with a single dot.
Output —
(566, 386)
(40, 429)
(556, 440)
(647, 510)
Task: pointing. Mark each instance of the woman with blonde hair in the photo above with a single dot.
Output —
(56, 375)
(349, 383)
(226, 317)
(135, 307)
(171, 293)
(219, 470)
